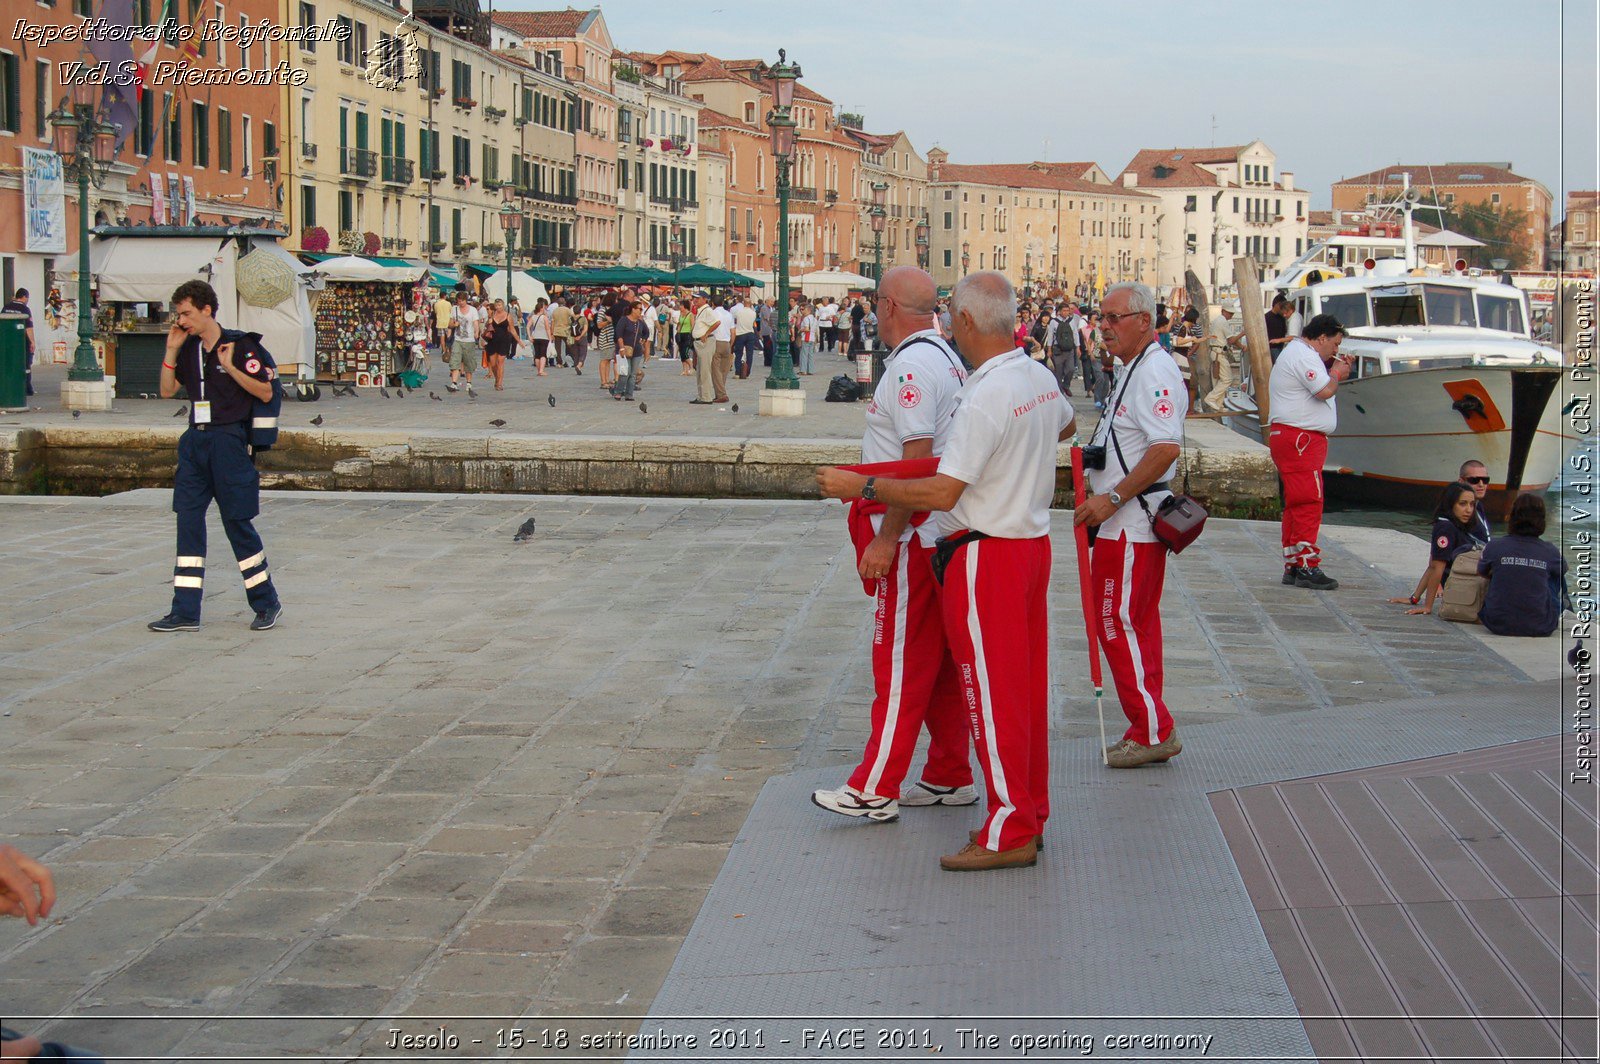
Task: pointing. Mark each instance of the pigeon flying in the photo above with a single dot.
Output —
(498, 423)
(317, 420)
(182, 410)
(552, 399)
(524, 533)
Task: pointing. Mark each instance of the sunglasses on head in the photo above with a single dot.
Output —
(1477, 480)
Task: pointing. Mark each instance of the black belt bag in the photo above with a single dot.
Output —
(945, 547)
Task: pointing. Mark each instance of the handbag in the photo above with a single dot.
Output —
(1461, 600)
(1179, 519)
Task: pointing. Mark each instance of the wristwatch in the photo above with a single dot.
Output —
(1116, 500)
(869, 490)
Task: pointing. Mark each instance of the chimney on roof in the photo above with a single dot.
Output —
(937, 157)
(1287, 177)
(1130, 179)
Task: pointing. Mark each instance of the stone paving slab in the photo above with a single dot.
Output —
(467, 777)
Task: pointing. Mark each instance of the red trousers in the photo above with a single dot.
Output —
(998, 623)
(1127, 580)
(914, 681)
(1299, 455)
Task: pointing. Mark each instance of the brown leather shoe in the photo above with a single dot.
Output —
(1129, 754)
(1038, 840)
(974, 858)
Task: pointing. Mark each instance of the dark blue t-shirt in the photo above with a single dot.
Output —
(1524, 594)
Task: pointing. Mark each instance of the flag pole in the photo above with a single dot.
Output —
(1091, 616)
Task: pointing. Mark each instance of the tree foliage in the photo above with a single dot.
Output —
(1503, 230)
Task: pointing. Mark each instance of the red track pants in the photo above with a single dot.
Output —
(1127, 580)
(914, 682)
(998, 624)
(1299, 455)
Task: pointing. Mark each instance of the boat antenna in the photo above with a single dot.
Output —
(1408, 200)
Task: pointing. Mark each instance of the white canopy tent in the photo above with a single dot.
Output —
(350, 268)
(134, 267)
(1448, 238)
(527, 289)
(833, 283)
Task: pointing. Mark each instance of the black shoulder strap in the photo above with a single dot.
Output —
(943, 349)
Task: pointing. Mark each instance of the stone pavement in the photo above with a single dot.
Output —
(581, 409)
(467, 777)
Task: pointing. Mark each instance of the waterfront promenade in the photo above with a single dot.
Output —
(566, 778)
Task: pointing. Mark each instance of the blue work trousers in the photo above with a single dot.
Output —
(214, 463)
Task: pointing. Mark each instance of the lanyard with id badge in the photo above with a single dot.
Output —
(202, 405)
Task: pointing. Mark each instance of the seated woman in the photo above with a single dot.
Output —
(1454, 533)
(1527, 576)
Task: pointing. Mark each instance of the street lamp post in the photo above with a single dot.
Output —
(675, 244)
(87, 147)
(510, 222)
(880, 191)
(966, 257)
(922, 242)
(1027, 275)
(782, 395)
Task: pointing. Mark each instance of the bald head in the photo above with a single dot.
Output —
(906, 298)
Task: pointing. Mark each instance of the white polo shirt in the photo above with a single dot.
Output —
(827, 313)
(1002, 445)
(744, 319)
(1146, 406)
(724, 324)
(1296, 378)
(916, 399)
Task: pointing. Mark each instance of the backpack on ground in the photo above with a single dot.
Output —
(1462, 597)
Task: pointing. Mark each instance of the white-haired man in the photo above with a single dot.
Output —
(914, 678)
(992, 492)
(1141, 433)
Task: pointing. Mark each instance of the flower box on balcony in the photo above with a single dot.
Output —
(494, 114)
(466, 103)
(436, 175)
(522, 120)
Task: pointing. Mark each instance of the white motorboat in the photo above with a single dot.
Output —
(1445, 370)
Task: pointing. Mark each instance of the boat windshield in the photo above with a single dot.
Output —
(1405, 365)
(1428, 304)
(1349, 307)
(1501, 312)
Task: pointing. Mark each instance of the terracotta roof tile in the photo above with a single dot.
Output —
(543, 24)
(1030, 175)
(1423, 175)
(1180, 167)
(710, 119)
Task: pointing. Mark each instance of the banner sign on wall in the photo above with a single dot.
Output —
(44, 202)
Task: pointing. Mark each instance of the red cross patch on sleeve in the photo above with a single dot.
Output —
(1443, 541)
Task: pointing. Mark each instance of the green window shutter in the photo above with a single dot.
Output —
(361, 130)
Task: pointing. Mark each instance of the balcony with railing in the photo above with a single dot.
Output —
(803, 194)
(308, 152)
(398, 171)
(677, 203)
(543, 196)
(358, 162)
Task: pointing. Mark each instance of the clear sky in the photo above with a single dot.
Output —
(1335, 89)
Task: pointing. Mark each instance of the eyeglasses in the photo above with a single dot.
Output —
(1112, 319)
(1477, 480)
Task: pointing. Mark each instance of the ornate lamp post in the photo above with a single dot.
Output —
(87, 147)
(922, 242)
(880, 191)
(782, 394)
(966, 257)
(1027, 275)
(675, 244)
(510, 222)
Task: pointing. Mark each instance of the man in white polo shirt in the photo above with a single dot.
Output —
(993, 491)
(1304, 411)
(914, 677)
(722, 362)
(827, 319)
(1141, 432)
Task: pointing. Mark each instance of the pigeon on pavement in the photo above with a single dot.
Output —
(524, 533)
(643, 409)
(182, 410)
(498, 423)
(383, 391)
(434, 396)
(552, 398)
(399, 393)
(734, 409)
(77, 414)
(317, 420)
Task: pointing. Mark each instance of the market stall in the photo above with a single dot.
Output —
(369, 321)
(835, 283)
(260, 288)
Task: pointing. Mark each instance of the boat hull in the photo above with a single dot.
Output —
(1403, 436)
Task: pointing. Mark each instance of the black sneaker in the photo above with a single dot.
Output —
(1314, 578)
(173, 623)
(1290, 573)
(266, 619)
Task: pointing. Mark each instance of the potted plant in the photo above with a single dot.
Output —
(371, 243)
(314, 239)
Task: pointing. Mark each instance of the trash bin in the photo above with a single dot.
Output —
(13, 361)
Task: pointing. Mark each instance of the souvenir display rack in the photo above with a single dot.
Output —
(361, 329)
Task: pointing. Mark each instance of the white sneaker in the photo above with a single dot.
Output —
(928, 794)
(848, 802)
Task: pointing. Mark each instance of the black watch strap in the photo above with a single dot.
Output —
(869, 490)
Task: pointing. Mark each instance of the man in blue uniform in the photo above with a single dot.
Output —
(225, 372)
